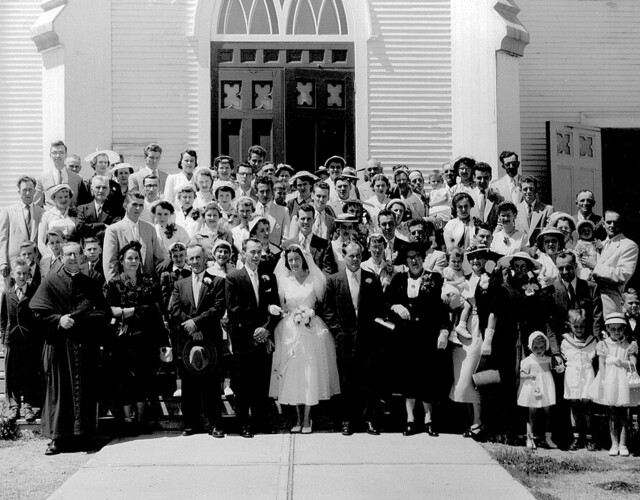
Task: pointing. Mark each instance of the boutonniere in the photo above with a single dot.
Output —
(207, 281)
(531, 289)
(368, 281)
(265, 278)
(484, 281)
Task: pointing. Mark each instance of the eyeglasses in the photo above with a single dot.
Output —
(512, 164)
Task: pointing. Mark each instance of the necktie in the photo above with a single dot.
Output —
(256, 289)
(19, 293)
(572, 293)
(529, 214)
(197, 283)
(260, 209)
(462, 243)
(304, 242)
(318, 226)
(355, 291)
(99, 211)
(59, 176)
(483, 201)
(28, 220)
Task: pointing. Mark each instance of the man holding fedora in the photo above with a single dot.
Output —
(197, 305)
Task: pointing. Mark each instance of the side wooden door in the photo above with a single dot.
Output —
(575, 161)
(319, 116)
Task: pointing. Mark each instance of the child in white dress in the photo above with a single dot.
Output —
(617, 356)
(453, 289)
(587, 246)
(579, 350)
(537, 389)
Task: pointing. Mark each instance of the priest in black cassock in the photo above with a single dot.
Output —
(73, 314)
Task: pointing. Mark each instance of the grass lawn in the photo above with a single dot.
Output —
(570, 475)
(26, 472)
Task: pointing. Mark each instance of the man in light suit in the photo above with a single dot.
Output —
(18, 223)
(533, 214)
(60, 174)
(615, 265)
(129, 229)
(508, 186)
(278, 216)
(486, 199)
(421, 231)
(152, 155)
(196, 307)
(319, 248)
(94, 217)
(352, 301)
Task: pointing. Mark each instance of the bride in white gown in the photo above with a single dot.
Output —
(304, 369)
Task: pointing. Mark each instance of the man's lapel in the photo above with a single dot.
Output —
(189, 291)
(203, 291)
(609, 250)
(249, 287)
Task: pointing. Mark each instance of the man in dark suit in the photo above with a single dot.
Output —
(249, 295)
(571, 292)
(196, 307)
(394, 245)
(352, 301)
(94, 217)
(172, 270)
(585, 201)
(319, 248)
(23, 346)
(92, 266)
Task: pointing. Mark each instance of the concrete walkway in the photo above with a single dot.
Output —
(283, 466)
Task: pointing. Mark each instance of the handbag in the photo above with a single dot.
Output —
(633, 378)
(484, 375)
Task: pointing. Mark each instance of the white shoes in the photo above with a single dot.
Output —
(614, 451)
(624, 451)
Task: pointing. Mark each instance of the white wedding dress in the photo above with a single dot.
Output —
(304, 369)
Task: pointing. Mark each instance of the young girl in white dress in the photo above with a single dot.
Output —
(579, 350)
(304, 368)
(537, 389)
(617, 356)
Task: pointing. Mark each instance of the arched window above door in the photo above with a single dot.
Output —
(269, 17)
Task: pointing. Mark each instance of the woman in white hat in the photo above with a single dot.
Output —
(401, 211)
(60, 216)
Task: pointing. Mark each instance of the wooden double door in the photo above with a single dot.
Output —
(301, 116)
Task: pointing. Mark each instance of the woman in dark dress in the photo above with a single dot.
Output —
(422, 326)
(135, 300)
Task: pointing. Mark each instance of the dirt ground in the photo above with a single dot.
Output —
(26, 472)
(566, 475)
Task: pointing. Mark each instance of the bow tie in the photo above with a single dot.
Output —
(181, 273)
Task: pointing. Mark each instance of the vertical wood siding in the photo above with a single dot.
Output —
(154, 75)
(584, 56)
(410, 82)
(20, 96)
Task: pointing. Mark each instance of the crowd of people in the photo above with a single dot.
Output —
(300, 286)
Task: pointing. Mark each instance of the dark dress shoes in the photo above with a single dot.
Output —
(371, 429)
(188, 431)
(429, 429)
(346, 429)
(217, 432)
(52, 448)
(411, 429)
(246, 432)
(29, 415)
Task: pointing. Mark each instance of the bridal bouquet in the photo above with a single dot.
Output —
(302, 316)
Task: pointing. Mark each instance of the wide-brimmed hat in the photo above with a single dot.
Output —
(349, 173)
(397, 201)
(322, 170)
(585, 222)
(507, 259)
(53, 190)
(337, 158)
(284, 166)
(111, 155)
(479, 250)
(615, 319)
(119, 166)
(413, 246)
(200, 356)
(345, 219)
(556, 216)
(303, 174)
(549, 231)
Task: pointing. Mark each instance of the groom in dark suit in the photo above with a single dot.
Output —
(197, 305)
(319, 248)
(249, 294)
(352, 301)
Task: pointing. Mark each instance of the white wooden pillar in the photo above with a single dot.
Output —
(74, 39)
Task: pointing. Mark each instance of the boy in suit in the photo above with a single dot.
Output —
(23, 348)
